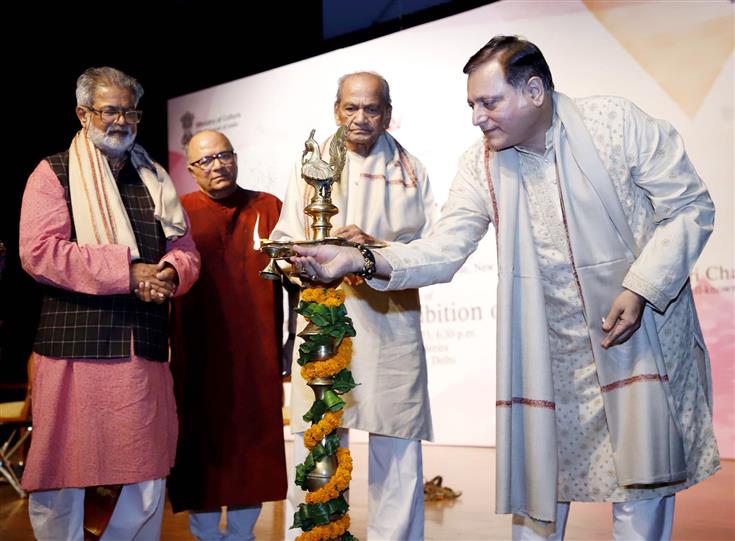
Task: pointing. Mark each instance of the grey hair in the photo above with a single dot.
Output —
(92, 78)
(384, 88)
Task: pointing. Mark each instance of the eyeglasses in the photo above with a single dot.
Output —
(109, 116)
(205, 163)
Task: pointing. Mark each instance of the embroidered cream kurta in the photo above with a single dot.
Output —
(669, 215)
(388, 359)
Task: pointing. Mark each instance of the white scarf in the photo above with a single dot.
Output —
(97, 208)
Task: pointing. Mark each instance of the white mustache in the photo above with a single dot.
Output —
(118, 131)
(113, 141)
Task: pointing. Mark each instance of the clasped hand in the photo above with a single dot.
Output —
(153, 282)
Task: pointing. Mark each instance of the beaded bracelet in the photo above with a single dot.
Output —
(368, 268)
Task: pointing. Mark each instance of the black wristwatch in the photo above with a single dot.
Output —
(368, 265)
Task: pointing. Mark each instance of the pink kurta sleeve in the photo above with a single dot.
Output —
(182, 254)
(48, 255)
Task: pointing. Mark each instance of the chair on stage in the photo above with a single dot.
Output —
(15, 426)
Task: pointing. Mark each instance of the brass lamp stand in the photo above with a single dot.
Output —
(320, 467)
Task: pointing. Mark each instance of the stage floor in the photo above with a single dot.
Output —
(705, 512)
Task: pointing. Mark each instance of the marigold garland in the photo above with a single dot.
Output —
(339, 481)
(316, 433)
(328, 297)
(328, 531)
(329, 367)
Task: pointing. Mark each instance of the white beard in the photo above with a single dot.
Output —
(113, 145)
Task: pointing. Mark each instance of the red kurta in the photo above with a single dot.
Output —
(226, 361)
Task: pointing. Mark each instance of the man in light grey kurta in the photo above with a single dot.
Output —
(384, 193)
(604, 395)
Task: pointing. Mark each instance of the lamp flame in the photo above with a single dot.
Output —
(256, 234)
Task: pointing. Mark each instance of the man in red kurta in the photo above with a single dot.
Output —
(226, 354)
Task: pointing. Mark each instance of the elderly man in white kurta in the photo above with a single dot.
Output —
(383, 193)
(604, 395)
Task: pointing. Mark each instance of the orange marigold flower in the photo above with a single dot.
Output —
(329, 367)
(329, 422)
(328, 297)
(339, 481)
(312, 294)
(327, 531)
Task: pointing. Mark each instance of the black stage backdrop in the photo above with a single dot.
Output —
(172, 48)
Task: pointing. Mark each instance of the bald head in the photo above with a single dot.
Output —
(213, 163)
(203, 138)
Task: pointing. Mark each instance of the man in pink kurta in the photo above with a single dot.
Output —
(103, 405)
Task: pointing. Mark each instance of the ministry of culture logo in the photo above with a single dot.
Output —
(187, 121)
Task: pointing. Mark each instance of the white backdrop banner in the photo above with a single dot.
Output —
(673, 59)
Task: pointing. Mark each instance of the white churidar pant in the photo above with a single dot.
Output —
(642, 520)
(240, 523)
(59, 514)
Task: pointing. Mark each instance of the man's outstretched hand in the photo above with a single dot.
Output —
(354, 234)
(327, 262)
